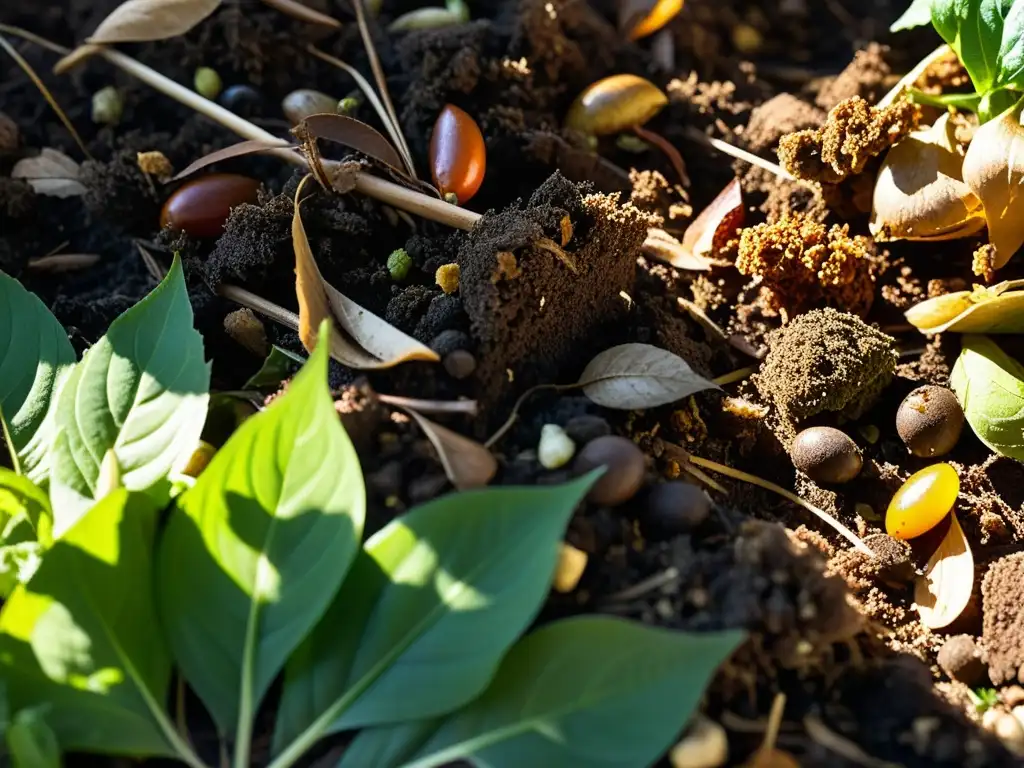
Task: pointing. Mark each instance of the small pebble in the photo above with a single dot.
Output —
(572, 563)
(826, 455)
(624, 473)
(705, 745)
(586, 427)
(930, 421)
(242, 99)
(449, 341)
(673, 509)
(460, 364)
(107, 106)
(959, 658)
(1011, 733)
(301, 103)
(555, 447)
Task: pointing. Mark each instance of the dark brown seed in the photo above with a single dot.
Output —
(826, 455)
(930, 421)
(460, 364)
(625, 469)
(673, 509)
(201, 207)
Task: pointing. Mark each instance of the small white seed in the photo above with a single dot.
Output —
(555, 448)
(705, 745)
(572, 563)
(1010, 732)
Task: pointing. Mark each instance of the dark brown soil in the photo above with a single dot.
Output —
(554, 274)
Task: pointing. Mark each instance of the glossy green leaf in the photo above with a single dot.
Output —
(974, 29)
(1011, 49)
(254, 553)
(990, 386)
(18, 563)
(25, 513)
(386, 746)
(31, 742)
(141, 390)
(587, 692)
(35, 355)
(279, 365)
(423, 620)
(917, 15)
(82, 636)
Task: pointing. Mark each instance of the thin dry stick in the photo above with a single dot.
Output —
(740, 154)
(511, 420)
(432, 407)
(385, 191)
(641, 588)
(393, 130)
(256, 303)
(736, 474)
(27, 68)
(382, 83)
(735, 376)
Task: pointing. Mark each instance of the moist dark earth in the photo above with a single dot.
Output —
(832, 630)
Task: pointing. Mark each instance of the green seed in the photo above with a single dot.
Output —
(399, 264)
(348, 105)
(107, 106)
(207, 82)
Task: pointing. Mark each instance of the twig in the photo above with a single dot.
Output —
(736, 474)
(641, 588)
(511, 420)
(845, 748)
(469, 407)
(27, 69)
(740, 154)
(669, 151)
(256, 303)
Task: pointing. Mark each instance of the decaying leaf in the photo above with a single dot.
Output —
(994, 171)
(920, 193)
(466, 463)
(640, 18)
(997, 309)
(943, 591)
(662, 246)
(50, 173)
(716, 224)
(136, 21)
(367, 342)
(63, 262)
(632, 376)
(241, 149)
(356, 135)
(303, 13)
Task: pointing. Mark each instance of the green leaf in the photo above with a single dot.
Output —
(590, 692)
(31, 741)
(25, 513)
(1011, 49)
(917, 15)
(386, 746)
(35, 355)
(990, 386)
(18, 563)
(974, 29)
(278, 366)
(141, 390)
(254, 553)
(423, 620)
(82, 636)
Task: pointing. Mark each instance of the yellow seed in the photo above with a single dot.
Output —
(571, 564)
(921, 502)
(615, 104)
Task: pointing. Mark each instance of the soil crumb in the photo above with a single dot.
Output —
(826, 360)
(778, 116)
(854, 133)
(802, 264)
(867, 76)
(1003, 619)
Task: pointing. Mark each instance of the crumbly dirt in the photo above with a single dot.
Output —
(1003, 633)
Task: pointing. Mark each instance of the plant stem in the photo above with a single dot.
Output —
(9, 442)
(380, 189)
(736, 474)
(256, 303)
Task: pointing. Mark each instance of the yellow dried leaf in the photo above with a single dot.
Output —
(994, 171)
(942, 593)
(999, 309)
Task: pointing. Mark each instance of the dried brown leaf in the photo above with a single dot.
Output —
(994, 170)
(632, 376)
(466, 463)
(920, 193)
(998, 309)
(356, 135)
(716, 224)
(241, 149)
(303, 13)
(367, 342)
(50, 173)
(135, 21)
(63, 262)
(944, 590)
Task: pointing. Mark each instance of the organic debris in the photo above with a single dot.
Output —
(943, 591)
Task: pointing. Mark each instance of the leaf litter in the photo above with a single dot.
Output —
(943, 591)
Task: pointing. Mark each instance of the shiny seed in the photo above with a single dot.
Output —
(458, 155)
(615, 104)
(207, 82)
(661, 14)
(242, 99)
(572, 563)
(930, 421)
(624, 473)
(673, 509)
(201, 207)
(555, 447)
(300, 104)
(826, 455)
(921, 502)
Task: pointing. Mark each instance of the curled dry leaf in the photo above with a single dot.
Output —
(920, 193)
(998, 309)
(241, 149)
(356, 135)
(303, 13)
(943, 591)
(50, 173)
(366, 342)
(632, 376)
(717, 223)
(136, 21)
(466, 463)
(994, 171)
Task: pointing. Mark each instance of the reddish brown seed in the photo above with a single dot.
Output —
(458, 157)
(201, 207)
(624, 473)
